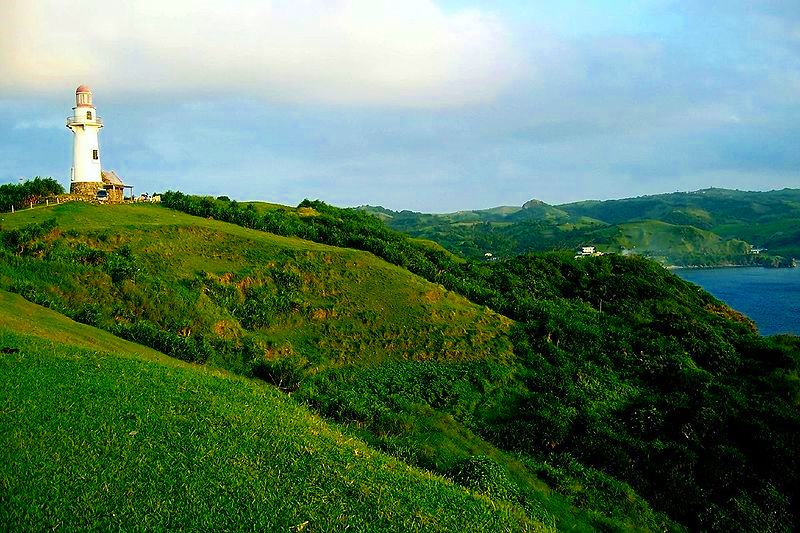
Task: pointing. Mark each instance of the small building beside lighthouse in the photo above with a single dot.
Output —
(86, 176)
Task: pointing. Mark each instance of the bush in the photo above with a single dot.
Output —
(284, 373)
(483, 474)
(190, 349)
(28, 240)
(19, 195)
(121, 264)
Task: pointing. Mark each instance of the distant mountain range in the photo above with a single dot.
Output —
(701, 228)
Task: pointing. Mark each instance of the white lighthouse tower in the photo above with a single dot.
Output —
(86, 178)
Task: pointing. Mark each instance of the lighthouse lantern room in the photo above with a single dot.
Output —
(86, 177)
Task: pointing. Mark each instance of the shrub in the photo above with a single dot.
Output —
(190, 349)
(284, 373)
(28, 240)
(480, 473)
(121, 264)
(19, 195)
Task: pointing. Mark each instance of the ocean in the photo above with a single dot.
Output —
(769, 296)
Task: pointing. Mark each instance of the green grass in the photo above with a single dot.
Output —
(83, 217)
(105, 434)
(262, 207)
(21, 316)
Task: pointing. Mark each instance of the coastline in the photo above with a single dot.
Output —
(727, 265)
(709, 267)
(768, 296)
(793, 263)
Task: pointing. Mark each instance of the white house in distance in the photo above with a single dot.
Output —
(87, 177)
(587, 251)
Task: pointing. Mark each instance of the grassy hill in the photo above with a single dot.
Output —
(603, 393)
(280, 295)
(102, 433)
(765, 219)
(711, 226)
(669, 243)
(290, 312)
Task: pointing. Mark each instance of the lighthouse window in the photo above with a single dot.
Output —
(95, 154)
(89, 115)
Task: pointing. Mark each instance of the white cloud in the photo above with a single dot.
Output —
(40, 124)
(407, 53)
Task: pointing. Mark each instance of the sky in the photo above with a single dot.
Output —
(426, 105)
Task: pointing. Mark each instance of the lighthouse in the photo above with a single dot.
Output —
(86, 176)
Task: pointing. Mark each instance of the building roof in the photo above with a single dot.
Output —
(110, 178)
(83, 89)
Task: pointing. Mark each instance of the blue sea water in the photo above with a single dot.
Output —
(769, 296)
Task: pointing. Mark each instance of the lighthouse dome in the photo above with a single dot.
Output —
(83, 96)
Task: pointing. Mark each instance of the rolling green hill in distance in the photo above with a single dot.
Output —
(706, 227)
(602, 393)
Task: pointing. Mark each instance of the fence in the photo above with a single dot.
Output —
(51, 200)
(64, 198)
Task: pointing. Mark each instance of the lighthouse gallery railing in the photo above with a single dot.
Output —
(81, 120)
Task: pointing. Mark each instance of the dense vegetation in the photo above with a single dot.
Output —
(626, 368)
(103, 434)
(708, 227)
(617, 379)
(27, 192)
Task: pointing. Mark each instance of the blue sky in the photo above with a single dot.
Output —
(424, 105)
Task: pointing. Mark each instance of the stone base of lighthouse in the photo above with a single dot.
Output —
(85, 189)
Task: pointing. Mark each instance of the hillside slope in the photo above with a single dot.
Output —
(102, 433)
(281, 309)
(244, 289)
(624, 372)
